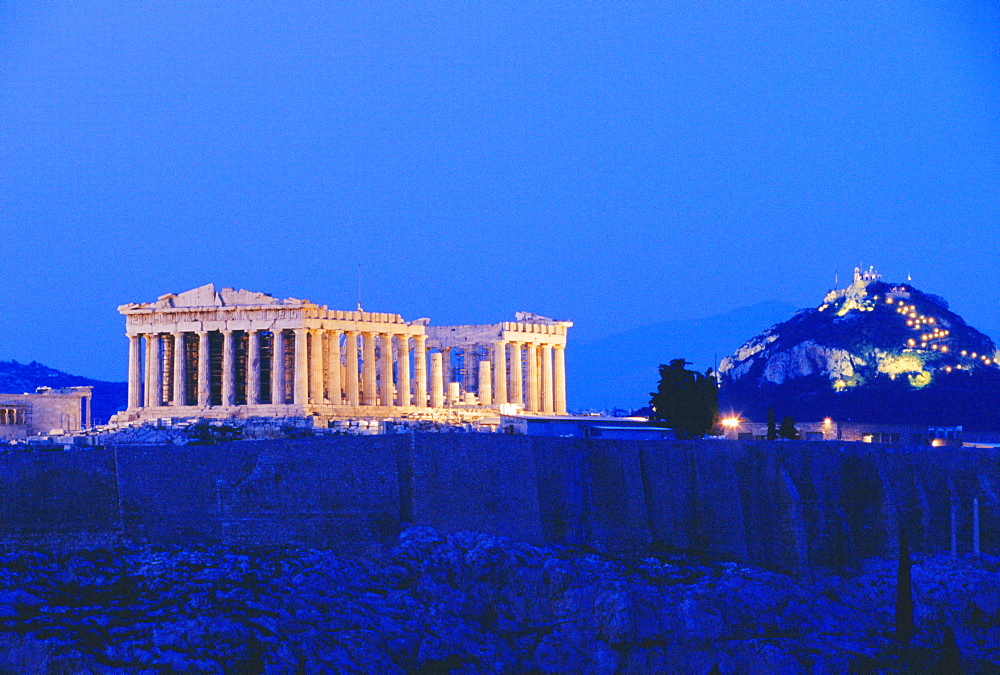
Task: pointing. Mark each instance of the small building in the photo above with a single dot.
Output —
(47, 410)
(865, 432)
(585, 426)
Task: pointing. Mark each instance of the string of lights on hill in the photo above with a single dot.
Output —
(933, 349)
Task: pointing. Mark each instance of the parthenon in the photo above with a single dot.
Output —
(238, 353)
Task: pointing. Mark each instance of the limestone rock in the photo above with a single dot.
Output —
(472, 603)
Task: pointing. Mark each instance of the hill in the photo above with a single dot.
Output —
(19, 378)
(874, 352)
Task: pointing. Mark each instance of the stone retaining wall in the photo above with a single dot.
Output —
(780, 505)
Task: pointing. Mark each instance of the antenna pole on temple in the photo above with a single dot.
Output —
(359, 289)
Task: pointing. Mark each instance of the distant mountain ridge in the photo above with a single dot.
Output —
(20, 378)
(622, 369)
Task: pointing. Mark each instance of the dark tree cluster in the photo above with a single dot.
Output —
(786, 431)
(685, 400)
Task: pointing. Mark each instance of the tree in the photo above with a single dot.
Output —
(787, 429)
(772, 426)
(685, 400)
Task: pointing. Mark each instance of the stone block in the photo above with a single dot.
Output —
(49, 495)
(481, 482)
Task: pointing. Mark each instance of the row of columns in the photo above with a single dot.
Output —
(12, 416)
(316, 373)
(545, 381)
(317, 376)
(523, 373)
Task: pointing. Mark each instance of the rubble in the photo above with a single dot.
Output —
(473, 603)
(198, 430)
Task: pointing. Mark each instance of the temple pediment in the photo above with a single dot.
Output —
(208, 296)
(203, 296)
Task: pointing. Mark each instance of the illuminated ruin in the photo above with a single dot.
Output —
(237, 353)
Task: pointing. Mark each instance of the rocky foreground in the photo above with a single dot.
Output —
(473, 603)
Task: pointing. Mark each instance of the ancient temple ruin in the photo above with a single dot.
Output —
(48, 410)
(237, 353)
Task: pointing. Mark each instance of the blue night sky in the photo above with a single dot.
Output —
(614, 163)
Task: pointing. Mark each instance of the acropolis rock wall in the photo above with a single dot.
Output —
(782, 505)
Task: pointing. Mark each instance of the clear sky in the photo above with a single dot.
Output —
(614, 163)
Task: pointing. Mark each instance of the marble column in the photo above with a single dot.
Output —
(532, 354)
(437, 380)
(559, 379)
(279, 387)
(485, 383)
(253, 367)
(134, 373)
(548, 399)
(154, 383)
(403, 396)
(469, 361)
(316, 379)
(147, 375)
(499, 372)
(516, 395)
(158, 369)
(353, 396)
(300, 391)
(166, 369)
(385, 389)
(333, 390)
(180, 371)
(228, 363)
(420, 368)
(368, 373)
(204, 383)
(446, 367)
